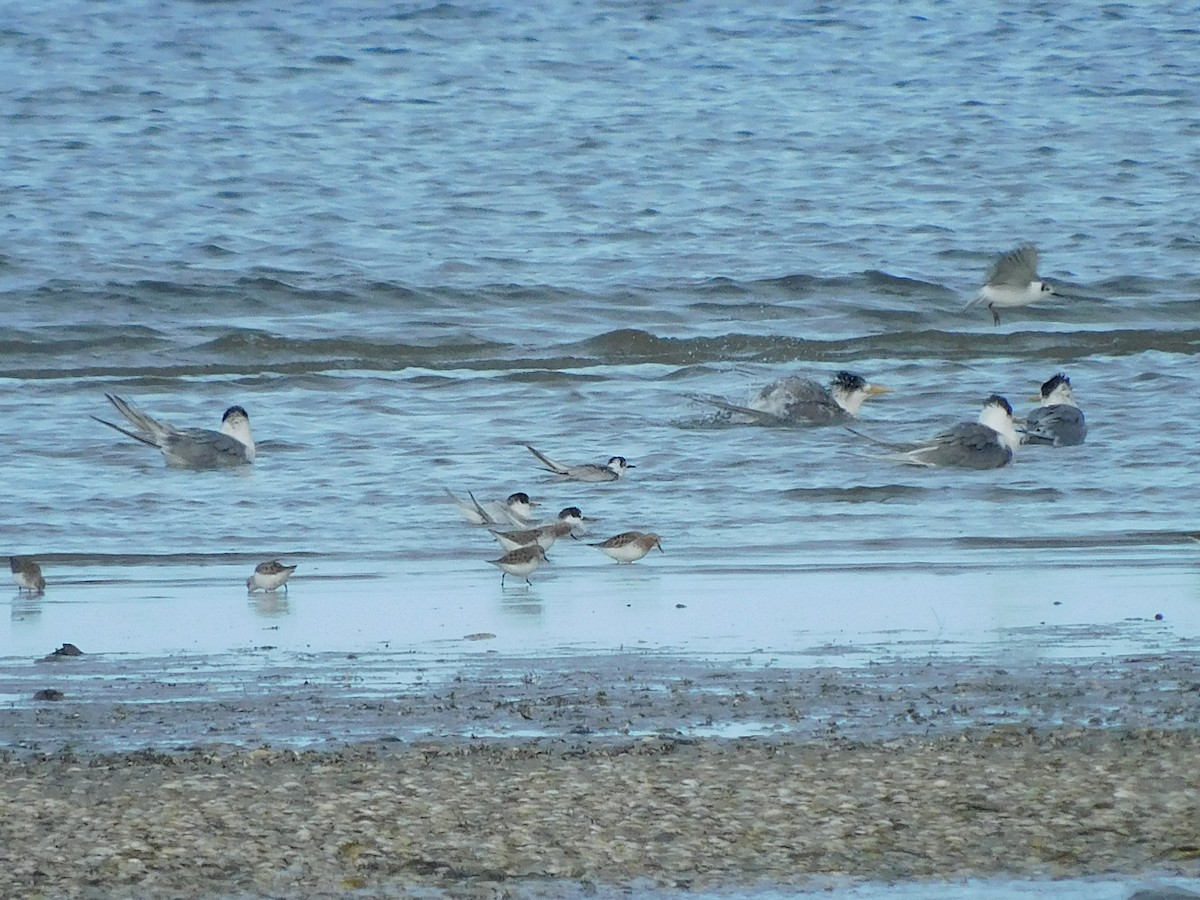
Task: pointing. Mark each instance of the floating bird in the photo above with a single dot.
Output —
(630, 546)
(1013, 281)
(614, 469)
(27, 574)
(568, 520)
(521, 562)
(516, 509)
(802, 401)
(1059, 420)
(988, 443)
(190, 448)
(270, 576)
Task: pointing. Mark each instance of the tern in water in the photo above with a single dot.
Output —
(1059, 420)
(989, 443)
(1013, 281)
(802, 401)
(27, 574)
(565, 525)
(190, 448)
(270, 576)
(516, 509)
(614, 469)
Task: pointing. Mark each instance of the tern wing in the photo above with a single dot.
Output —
(966, 446)
(553, 465)
(758, 415)
(1062, 425)
(199, 448)
(1016, 268)
(136, 416)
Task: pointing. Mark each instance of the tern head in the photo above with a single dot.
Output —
(236, 424)
(520, 505)
(619, 465)
(573, 515)
(850, 391)
(997, 414)
(1057, 391)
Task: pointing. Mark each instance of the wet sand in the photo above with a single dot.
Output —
(264, 774)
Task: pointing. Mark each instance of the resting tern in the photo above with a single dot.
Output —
(989, 443)
(614, 469)
(802, 401)
(1059, 420)
(516, 509)
(190, 448)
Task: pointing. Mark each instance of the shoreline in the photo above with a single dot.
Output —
(498, 775)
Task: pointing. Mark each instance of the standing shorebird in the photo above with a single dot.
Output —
(270, 576)
(1013, 281)
(27, 574)
(630, 546)
(521, 562)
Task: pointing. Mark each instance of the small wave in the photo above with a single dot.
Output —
(857, 494)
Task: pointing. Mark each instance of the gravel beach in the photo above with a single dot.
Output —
(569, 776)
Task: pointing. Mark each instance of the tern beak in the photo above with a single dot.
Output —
(1036, 398)
(879, 389)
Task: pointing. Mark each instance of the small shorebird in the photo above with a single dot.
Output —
(989, 443)
(630, 546)
(189, 448)
(521, 562)
(802, 401)
(592, 472)
(516, 509)
(1059, 420)
(1012, 281)
(27, 574)
(568, 521)
(270, 576)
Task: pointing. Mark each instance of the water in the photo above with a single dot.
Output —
(411, 238)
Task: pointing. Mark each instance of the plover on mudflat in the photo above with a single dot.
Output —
(630, 546)
(520, 562)
(27, 574)
(270, 576)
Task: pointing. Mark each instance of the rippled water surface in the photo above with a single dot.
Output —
(411, 238)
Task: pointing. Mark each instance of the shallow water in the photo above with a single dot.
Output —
(409, 240)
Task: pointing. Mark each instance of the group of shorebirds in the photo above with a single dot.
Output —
(987, 443)
(510, 520)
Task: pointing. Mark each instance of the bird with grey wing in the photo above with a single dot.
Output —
(1013, 281)
(1059, 420)
(189, 448)
(589, 472)
(988, 443)
(802, 401)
